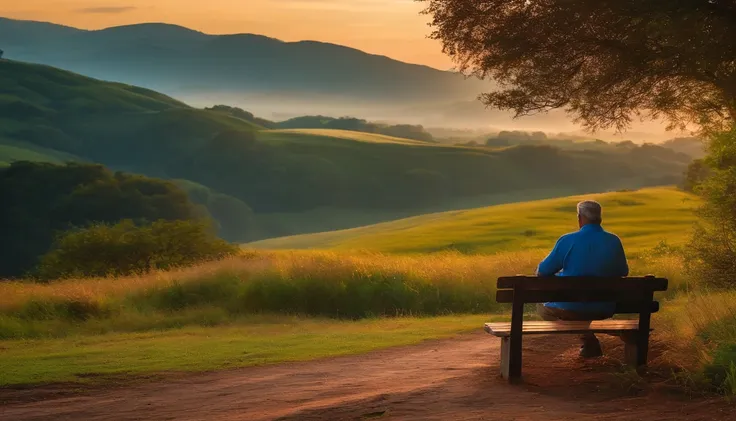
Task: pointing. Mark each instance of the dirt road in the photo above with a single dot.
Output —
(452, 379)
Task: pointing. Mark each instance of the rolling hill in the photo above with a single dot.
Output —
(635, 216)
(234, 66)
(100, 121)
(342, 134)
(292, 175)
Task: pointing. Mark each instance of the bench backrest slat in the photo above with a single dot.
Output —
(533, 283)
(636, 308)
(631, 294)
(570, 296)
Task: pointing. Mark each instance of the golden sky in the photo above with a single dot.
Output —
(389, 27)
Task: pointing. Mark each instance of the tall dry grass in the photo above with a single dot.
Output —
(313, 283)
(319, 283)
(326, 266)
(696, 327)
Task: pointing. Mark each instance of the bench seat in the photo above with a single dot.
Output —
(606, 327)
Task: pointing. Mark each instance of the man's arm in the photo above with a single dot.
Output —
(623, 264)
(552, 263)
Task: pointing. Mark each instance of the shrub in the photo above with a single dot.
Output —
(40, 199)
(125, 248)
(713, 247)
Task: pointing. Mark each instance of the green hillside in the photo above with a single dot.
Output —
(641, 218)
(45, 90)
(291, 178)
(11, 151)
(102, 121)
(348, 135)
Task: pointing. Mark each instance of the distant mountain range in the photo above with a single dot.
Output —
(242, 68)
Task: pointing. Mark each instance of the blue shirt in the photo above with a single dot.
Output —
(588, 252)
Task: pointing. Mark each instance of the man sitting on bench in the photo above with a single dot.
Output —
(591, 251)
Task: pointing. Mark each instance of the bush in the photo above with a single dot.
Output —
(713, 245)
(697, 172)
(125, 248)
(41, 199)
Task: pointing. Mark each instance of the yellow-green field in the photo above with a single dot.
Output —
(254, 341)
(350, 135)
(268, 306)
(641, 218)
(200, 318)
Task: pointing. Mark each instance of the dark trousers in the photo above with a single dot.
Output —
(552, 314)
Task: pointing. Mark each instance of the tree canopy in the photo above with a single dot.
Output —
(605, 62)
(41, 200)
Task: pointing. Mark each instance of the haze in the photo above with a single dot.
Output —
(394, 28)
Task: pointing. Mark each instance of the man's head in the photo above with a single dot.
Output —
(589, 212)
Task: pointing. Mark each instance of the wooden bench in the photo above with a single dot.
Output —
(633, 295)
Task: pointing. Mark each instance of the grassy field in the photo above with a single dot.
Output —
(11, 151)
(641, 218)
(253, 309)
(288, 224)
(253, 341)
(270, 306)
(342, 134)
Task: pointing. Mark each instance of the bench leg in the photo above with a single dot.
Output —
(642, 350)
(510, 361)
(631, 349)
(505, 354)
(636, 349)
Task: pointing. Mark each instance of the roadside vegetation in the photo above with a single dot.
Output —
(250, 308)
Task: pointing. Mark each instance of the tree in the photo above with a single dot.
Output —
(39, 200)
(697, 172)
(713, 246)
(604, 62)
(126, 248)
(1, 53)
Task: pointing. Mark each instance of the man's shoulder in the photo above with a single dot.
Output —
(612, 236)
(570, 236)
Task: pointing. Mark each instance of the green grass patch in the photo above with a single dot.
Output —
(256, 341)
(11, 151)
(635, 216)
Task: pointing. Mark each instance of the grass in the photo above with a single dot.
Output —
(344, 135)
(319, 284)
(699, 333)
(71, 329)
(256, 341)
(635, 216)
(11, 151)
(265, 307)
(188, 320)
(286, 224)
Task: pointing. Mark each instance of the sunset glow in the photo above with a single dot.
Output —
(389, 27)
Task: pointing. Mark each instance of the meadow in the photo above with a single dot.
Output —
(269, 306)
(642, 218)
(257, 308)
(343, 134)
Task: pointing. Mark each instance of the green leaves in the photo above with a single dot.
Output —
(126, 248)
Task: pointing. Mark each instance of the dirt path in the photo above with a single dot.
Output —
(441, 380)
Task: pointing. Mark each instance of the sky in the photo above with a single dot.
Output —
(394, 28)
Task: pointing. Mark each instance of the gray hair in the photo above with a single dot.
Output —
(590, 210)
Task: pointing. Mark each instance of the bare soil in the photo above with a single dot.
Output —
(454, 379)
